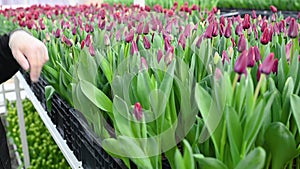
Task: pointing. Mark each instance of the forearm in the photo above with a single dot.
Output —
(8, 65)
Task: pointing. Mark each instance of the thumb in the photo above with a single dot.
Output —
(21, 59)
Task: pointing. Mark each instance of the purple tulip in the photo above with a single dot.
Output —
(222, 30)
(139, 28)
(134, 48)
(118, 35)
(57, 33)
(242, 44)
(101, 25)
(268, 64)
(246, 22)
(225, 57)
(215, 31)
(240, 66)
(146, 42)
(169, 56)
(129, 37)
(273, 9)
(251, 57)
(257, 53)
(265, 37)
(209, 31)
(146, 29)
(88, 40)
(138, 111)
(143, 64)
(159, 55)
(293, 30)
(253, 14)
(92, 50)
(182, 41)
(66, 41)
(222, 20)
(275, 66)
(233, 42)
(239, 30)
(187, 30)
(228, 30)
(264, 26)
(282, 26)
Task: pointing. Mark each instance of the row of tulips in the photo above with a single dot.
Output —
(180, 85)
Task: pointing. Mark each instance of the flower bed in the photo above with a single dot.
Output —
(180, 85)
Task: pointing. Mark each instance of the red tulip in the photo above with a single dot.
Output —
(293, 30)
(268, 64)
(240, 66)
(242, 44)
(251, 57)
(265, 37)
(275, 66)
(273, 9)
(82, 44)
(146, 42)
(246, 22)
(138, 111)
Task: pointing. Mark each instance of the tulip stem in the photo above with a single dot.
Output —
(236, 78)
(262, 78)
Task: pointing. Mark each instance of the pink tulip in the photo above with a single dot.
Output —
(143, 64)
(273, 9)
(265, 37)
(159, 55)
(146, 43)
(257, 53)
(246, 22)
(129, 37)
(293, 30)
(242, 43)
(225, 57)
(138, 111)
(251, 57)
(134, 48)
(228, 30)
(239, 30)
(92, 50)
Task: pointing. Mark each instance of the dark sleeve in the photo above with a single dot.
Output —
(8, 65)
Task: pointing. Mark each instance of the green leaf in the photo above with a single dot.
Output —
(277, 135)
(49, 91)
(234, 130)
(209, 163)
(188, 155)
(179, 161)
(295, 104)
(96, 96)
(255, 159)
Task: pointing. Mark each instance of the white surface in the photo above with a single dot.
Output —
(72, 160)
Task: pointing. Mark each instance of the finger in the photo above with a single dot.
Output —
(35, 66)
(21, 59)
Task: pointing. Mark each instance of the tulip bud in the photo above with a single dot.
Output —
(242, 44)
(209, 31)
(246, 22)
(169, 56)
(146, 29)
(282, 26)
(215, 29)
(251, 57)
(92, 50)
(139, 29)
(258, 72)
(88, 40)
(264, 26)
(182, 41)
(222, 30)
(225, 57)
(66, 41)
(118, 36)
(159, 55)
(144, 64)
(57, 33)
(106, 40)
(233, 42)
(239, 30)
(82, 44)
(129, 37)
(275, 66)
(146, 42)
(288, 50)
(240, 66)
(273, 9)
(138, 111)
(228, 30)
(257, 53)
(293, 30)
(101, 25)
(218, 74)
(254, 14)
(265, 37)
(268, 64)
(134, 48)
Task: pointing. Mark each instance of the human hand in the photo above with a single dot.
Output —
(29, 52)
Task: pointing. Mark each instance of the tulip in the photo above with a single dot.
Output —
(129, 37)
(273, 9)
(218, 74)
(169, 56)
(139, 28)
(282, 26)
(134, 48)
(288, 50)
(57, 33)
(138, 111)
(146, 43)
(293, 30)
(257, 53)
(246, 22)
(240, 66)
(233, 42)
(82, 44)
(239, 30)
(228, 30)
(66, 40)
(106, 40)
(215, 29)
(92, 50)
(146, 29)
(159, 55)
(101, 25)
(225, 57)
(268, 64)
(143, 64)
(258, 72)
(271, 32)
(88, 40)
(187, 30)
(242, 43)
(209, 31)
(264, 26)
(254, 14)
(182, 41)
(275, 66)
(251, 57)
(222, 20)
(265, 37)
